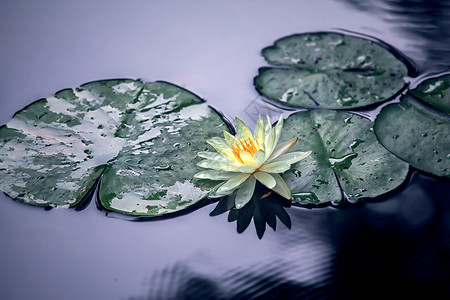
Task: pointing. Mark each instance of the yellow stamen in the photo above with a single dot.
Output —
(253, 147)
(247, 145)
(243, 145)
(236, 151)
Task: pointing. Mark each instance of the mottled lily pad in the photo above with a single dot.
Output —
(346, 157)
(329, 70)
(417, 133)
(435, 91)
(141, 139)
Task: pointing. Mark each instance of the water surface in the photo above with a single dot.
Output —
(398, 243)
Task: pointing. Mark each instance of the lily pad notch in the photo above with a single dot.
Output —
(417, 128)
(347, 159)
(330, 70)
(131, 134)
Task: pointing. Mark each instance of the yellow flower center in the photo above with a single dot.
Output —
(246, 145)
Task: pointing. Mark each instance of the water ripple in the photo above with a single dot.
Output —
(426, 23)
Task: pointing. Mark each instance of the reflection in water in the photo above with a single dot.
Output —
(264, 208)
(299, 271)
(376, 247)
(180, 282)
(427, 22)
(366, 252)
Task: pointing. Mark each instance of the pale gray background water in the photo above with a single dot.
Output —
(213, 49)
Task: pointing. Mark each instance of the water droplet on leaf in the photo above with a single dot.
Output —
(307, 197)
(344, 162)
(297, 173)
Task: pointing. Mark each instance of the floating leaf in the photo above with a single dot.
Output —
(346, 156)
(329, 70)
(417, 133)
(140, 138)
(435, 91)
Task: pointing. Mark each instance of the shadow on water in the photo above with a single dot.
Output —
(395, 247)
(383, 251)
(427, 22)
(181, 282)
(264, 208)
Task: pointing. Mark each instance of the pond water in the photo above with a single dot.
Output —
(399, 243)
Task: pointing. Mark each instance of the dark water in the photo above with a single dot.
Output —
(397, 244)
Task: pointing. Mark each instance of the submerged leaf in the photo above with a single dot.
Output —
(346, 156)
(140, 138)
(329, 70)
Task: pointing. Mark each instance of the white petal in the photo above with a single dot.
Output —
(268, 125)
(259, 132)
(282, 148)
(266, 179)
(214, 194)
(233, 183)
(217, 195)
(276, 167)
(215, 175)
(245, 192)
(270, 142)
(230, 139)
(222, 147)
(259, 158)
(292, 157)
(213, 156)
(281, 187)
(278, 128)
(246, 169)
(242, 130)
(219, 165)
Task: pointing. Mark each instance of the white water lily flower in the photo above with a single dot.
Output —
(245, 158)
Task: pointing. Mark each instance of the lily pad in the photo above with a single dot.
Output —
(329, 70)
(417, 133)
(140, 140)
(346, 157)
(435, 91)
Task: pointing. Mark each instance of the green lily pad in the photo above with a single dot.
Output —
(140, 139)
(417, 133)
(435, 91)
(329, 70)
(346, 157)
